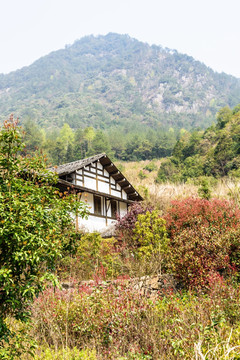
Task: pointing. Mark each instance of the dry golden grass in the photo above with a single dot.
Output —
(161, 195)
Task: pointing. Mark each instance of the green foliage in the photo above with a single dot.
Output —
(100, 144)
(168, 171)
(95, 251)
(223, 117)
(150, 235)
(34, 222)
(19, 342)
(212, 153)
(204, 190)
(102, 82)
(192, 168)
(34, 136)
(68, 144)
(150, 166)
(142, 175)
(93, 256)
(63, 354)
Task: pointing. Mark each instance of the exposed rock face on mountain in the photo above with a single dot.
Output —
(109, 80)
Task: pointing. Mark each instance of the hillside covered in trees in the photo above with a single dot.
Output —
(115, 81)
(213, 152)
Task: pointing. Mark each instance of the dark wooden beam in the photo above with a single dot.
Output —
(114, 173)
(126, 187)
(131, 193)
(107, 165)
(79, 188)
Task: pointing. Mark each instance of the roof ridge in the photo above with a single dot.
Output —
(80, 163)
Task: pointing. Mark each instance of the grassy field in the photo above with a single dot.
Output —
(162, 194)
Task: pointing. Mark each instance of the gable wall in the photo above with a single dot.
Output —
(95, 177)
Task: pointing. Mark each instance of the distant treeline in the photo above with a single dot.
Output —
(127, 144)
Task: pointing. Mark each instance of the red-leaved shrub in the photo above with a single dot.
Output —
(201, 239)
(102, 316)
(221, 215)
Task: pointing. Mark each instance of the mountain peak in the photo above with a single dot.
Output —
(122, 78)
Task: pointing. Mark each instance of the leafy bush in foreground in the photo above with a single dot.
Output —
(101, 317)
(118, 323)
(34, 221)
(204, 239)
(93, 253)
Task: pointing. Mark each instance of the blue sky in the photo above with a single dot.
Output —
(208, 30)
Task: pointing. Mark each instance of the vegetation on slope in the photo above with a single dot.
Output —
(105, 319)
(213, 152)
(112, 80)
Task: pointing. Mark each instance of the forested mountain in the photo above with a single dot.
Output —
(114, 80)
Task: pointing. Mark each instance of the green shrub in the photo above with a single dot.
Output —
(204, 190)
(126, 224)
(35, 222)
(142, 175)
(168, 171)
(150, 237)
(151, 166)
(93, 254)
(193, 167)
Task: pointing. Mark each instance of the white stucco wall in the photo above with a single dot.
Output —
(103, 187)
(88, 199)
(116, 193)
(94, 223)
(90, 183)
(124, 195)
(80, 183)
(87, 177)
(123, 208)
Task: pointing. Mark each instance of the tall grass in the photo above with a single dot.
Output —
(161, 195)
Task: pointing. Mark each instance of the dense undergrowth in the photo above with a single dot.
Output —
(99, 311)
(98, 314)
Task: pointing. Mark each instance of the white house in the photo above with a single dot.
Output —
(97, 181)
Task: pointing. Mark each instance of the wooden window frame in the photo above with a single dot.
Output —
(114, 213)
(97, 202)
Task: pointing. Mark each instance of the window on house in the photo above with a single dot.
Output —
(97, 205)
(113, 209)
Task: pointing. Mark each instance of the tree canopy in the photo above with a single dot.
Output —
(35, 225)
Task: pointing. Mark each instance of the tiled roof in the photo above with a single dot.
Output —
(75, 165)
